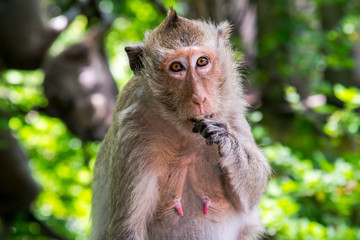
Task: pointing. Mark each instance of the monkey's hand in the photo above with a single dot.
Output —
(246, 166)
(216, 131)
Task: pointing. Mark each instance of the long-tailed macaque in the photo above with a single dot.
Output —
(179, 160)
(80, 88)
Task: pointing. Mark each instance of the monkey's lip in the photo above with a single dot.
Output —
(197, 118)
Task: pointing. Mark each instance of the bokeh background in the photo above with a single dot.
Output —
(60, 60)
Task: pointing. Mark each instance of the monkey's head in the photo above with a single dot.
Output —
(187, 68)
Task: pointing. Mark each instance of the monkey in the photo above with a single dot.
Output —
(179, 160)
(80, 88)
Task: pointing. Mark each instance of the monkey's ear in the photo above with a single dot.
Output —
(135, 54)
(224, 30)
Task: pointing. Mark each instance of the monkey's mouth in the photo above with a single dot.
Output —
(197, 118)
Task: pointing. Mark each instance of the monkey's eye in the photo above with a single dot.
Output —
(202, 61)
(176, 67)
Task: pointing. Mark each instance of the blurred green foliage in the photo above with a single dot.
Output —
(314, 192)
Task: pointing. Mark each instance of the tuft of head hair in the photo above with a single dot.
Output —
(175, 32)
(224, 30)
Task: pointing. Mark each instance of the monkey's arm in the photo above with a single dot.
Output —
(133, 188)
(246, 167)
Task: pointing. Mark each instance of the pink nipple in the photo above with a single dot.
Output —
(178, 206)
(206, 204)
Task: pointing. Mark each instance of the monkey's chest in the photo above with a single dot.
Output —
(196, 190)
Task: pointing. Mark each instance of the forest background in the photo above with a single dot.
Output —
(301, 63)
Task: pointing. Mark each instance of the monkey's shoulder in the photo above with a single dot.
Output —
(129, 95)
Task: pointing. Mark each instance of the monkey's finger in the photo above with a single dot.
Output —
(196, 128)
(209, 142)
(221, 154)
(205, 128)
(220, 124)
(209, 129)
(205, 131)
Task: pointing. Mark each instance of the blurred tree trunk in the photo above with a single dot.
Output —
(356, 72)
(25, 35)
(273, 34)
(17, 187)
(331, 13)
(243, 15)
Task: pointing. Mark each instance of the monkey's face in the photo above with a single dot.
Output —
(191, 82)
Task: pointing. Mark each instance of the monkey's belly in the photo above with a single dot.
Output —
(200, 228)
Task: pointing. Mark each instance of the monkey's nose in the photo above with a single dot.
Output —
(198, 100)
